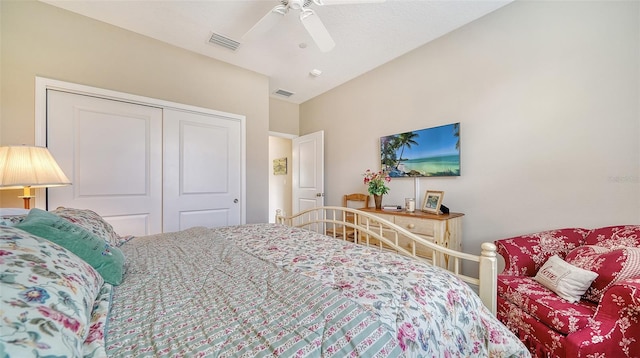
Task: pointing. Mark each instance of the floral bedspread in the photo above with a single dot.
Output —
(431, 312)
(196, 294)
(211, 292)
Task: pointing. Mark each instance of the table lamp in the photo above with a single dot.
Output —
(25, 167)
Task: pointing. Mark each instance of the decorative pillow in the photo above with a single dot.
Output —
(107, 260)
(95, 344)
(46, 293)
(614, 236)
(568, 281)
(13, 211)
(90, 221)
(611, 265)
(524, 255)
(11, 220)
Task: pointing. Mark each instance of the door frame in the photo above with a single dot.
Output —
(42, 85)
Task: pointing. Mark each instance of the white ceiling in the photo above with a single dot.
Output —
(367, 35)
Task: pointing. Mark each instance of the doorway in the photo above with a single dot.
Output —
(296, 178)
(280, 188)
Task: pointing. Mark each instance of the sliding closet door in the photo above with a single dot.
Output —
(112, 153)
(202, 170)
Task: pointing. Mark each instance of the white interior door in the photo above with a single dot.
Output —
(202, 170)
(112, 153)
(308, 171)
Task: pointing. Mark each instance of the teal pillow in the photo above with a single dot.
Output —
(107, 260)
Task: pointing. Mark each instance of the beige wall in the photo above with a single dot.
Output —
(547, 94)
(284, 117)
(41, 40)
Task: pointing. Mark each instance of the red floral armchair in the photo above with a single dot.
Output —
(603, 322)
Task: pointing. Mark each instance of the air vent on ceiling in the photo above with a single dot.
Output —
(282, 92)
(224, 41)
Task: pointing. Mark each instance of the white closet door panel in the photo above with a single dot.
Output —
(204, 142)
(130, 224)
(95, 132)
(112, 152)
(202, 170)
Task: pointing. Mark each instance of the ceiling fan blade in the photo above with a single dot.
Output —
(266, 23)
(316, 29)
(343, 2)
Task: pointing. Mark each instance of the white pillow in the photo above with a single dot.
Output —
(13, 211)
(568, 281)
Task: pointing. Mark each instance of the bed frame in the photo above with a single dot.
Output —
(370, 230)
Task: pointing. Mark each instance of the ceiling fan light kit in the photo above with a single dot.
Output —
(310, 20)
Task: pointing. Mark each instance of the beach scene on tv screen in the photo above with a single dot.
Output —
(422, 153)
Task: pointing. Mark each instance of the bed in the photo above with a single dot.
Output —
(239, 291)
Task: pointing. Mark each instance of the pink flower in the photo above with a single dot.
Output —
(95, 333)
(453, 297)
(495, 336)
(419, 290)
(66, 321)
(376, 182)
(406, 332)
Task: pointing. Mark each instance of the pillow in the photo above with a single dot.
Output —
(13, 211)
(95, 344)
(614, 236)
(537, 248)
(11, 220)
(107, 260)
(47, 294)
(90, 221)
(611, 265)
(568, 281)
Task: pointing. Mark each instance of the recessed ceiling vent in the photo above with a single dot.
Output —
(224, 41)
(282, 92)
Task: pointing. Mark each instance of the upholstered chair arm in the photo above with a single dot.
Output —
(516, 261)
(617, 319)
(524, 255)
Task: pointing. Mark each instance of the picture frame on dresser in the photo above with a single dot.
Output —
(432, 201)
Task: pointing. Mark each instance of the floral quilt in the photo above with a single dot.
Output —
(47, 298)
(272, 290)
(195, 294)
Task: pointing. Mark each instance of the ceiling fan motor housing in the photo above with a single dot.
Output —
(296, 4)
(308, 17)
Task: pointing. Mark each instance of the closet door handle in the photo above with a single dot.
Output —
(235, 201)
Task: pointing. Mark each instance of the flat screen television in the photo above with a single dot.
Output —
(429, 152)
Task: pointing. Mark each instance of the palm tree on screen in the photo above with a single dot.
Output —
(456, 133)
(405, 140)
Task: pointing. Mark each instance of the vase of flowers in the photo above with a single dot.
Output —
(376, 183)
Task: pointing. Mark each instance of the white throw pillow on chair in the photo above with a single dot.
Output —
(566, 280)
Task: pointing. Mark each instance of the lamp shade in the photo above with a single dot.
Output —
(29, 166)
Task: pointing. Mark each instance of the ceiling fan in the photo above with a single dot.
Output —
(308, 17)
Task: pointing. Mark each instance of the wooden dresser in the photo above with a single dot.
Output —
(444, 230)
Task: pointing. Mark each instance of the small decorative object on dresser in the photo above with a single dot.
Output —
(432, 201)
(376, 183)
(410, 205)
